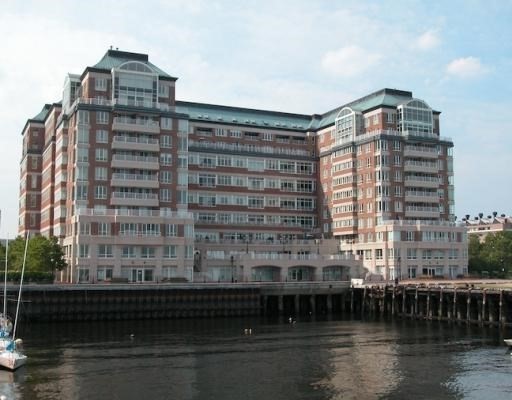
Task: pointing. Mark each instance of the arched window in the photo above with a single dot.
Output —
(347, 125)
(135, 84)
(415, 117)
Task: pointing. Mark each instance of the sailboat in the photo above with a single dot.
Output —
(5, 323)
(11, 357)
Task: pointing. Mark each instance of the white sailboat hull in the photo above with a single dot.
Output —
(508, 342)
(12, 360)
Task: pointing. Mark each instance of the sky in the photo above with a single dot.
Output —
(300, 56)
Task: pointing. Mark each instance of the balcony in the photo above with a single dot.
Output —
(418, 197)
(134, 199)
(421, 181)
(133, 143)
(135, 180)
(419, 166)
(135, 162)
(420, 151)
(421, 212)
(135, 125)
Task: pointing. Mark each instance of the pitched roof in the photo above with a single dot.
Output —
(42, 114)
(380, 98)
(114, 58)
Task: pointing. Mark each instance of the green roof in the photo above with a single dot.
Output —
(42, 114)
(262, 118)
(114, 58)
(384, 97)
(244, 116)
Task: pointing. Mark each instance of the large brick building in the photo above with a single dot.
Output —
(140, 186)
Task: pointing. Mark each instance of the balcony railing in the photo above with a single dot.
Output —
(236, 147)
(128, 157)
(135, 140)
(135, 177)
(135, 196)
(134, 213)
(137, 122)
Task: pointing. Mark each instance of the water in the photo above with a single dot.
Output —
(214, 359)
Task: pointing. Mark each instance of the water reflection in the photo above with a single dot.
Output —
(215, 359)
(10, 383)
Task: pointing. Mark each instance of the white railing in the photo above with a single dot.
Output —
(137, 122)
(134, 213)
(432, 179)
(134, 177)
(422, 209)
(135, 196)
(129, 139)
(422, 194)
(129, 157)
(422, 164)
(236, 147)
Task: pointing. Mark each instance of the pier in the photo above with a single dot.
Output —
(469, 304)
(88, 302)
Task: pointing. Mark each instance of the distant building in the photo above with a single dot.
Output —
(140, 186)
(482, 226)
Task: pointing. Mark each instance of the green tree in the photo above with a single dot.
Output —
(497, 251)
(43, 254)
(476, 263)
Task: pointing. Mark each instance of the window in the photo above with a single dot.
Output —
(170, 251)
(163, 90)
(128, 252)
(147, 252)
(81, 192)
(166, 159)
(165, 176)
(165, 195)
(101, 117)
(166, 141)
(82, 135)
(83, 251)
(83, 117)
(100, 192)
(166, 123)
(82, 154)
(105, 251)
(103, 228)
(224, 180)
(101, 154)
(206, 180)
(85, 228)
(100, 173)
(100, 84)
(171, 230)
(101, 136)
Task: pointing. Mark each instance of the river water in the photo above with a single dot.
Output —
(215, 359)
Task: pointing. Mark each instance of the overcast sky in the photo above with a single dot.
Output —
(294, 56)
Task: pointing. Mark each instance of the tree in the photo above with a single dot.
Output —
(476, 263)
(43, 254)
(498, 252)
(494, 254)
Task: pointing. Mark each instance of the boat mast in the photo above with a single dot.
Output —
(21, 284)
(5, 276)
